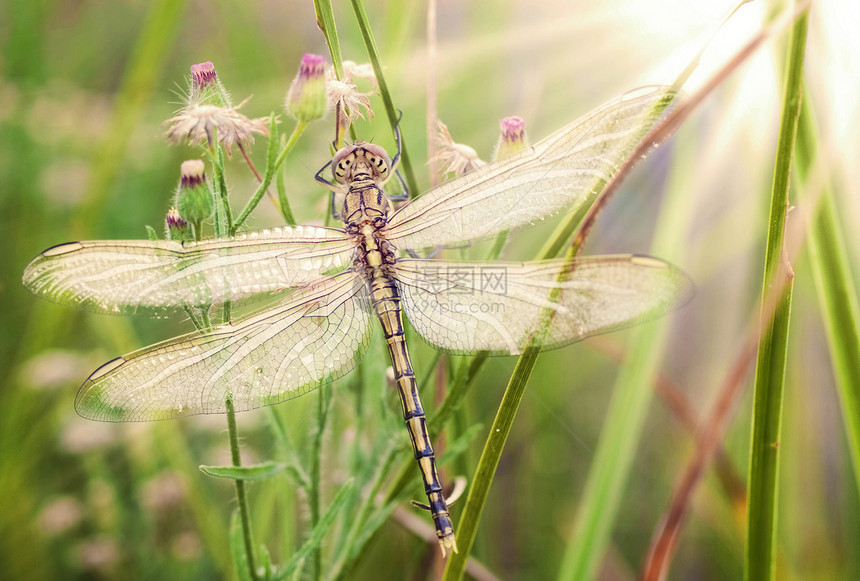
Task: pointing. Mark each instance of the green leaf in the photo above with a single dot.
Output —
(237, 549)
(261, 471)
(773, 341)
(316, 537)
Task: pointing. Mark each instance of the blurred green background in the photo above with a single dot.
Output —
(84, 89)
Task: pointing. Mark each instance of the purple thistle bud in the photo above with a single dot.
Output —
(203, 75)
(192, 173)
(512, 139)
(313, 65)
(194, 199)
(176, 228)
(206, 88)
(306, 97)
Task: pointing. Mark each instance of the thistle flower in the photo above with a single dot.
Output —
(347, 97)
(206, 88)
(306, 97)
(193, 198)
(352, 69)
(456, 158)
(176, 227)
(344, 96)
(512, 138)
(209, 111)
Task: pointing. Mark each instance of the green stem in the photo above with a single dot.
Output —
(773, 342)
(244, 513)
(486, 470)
(223, 213)
(323, 399)
(267, 179)
(373, 53)
(286, 210)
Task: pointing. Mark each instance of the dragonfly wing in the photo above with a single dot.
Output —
(464, 307)
(131, 276)
(557, 174)
(315, 336)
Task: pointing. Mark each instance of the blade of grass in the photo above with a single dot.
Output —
(373, 53)
(325, 22)
(316, 536)
(773, 342)
(625, 418)
(837, 294)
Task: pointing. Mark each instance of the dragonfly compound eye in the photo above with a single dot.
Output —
(378, 159)
(341, 163)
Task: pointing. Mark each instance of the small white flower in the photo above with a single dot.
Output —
(195, 124)
(456, 158)
(352, 70)
(349, 98)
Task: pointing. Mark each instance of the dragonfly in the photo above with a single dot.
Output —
(325, 285)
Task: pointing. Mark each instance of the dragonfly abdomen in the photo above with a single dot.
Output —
(386, 304)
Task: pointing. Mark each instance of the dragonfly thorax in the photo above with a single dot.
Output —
(365, 203)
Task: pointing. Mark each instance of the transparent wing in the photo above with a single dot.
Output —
(464, 307)
(317, 335)
(130, 276)
(557, 174)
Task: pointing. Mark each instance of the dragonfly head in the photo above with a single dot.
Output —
(361, 160)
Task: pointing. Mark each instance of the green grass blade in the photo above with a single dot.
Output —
(837, 294)
(318, 533)
(492, 452)
(625, 418)
(373, 53)
(773, 342)
(325, 21)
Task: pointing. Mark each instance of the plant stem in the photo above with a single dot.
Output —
(244, 513)
(254, 171)
(270, 174)
(486, 470)
(323, 399)
(773, 342)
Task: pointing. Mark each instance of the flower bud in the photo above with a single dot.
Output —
(194, 200)
(512, 139)
(206, 88)
(306, 98)
(175, 226)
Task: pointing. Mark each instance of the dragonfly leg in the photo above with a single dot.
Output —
(395, 161)
(335, 213)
